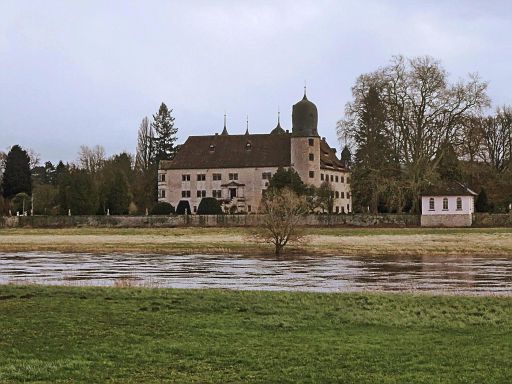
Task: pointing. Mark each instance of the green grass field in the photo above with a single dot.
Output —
(131, 335)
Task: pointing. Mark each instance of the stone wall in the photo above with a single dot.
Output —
(446, 220)
(492, 220)
(356, 220)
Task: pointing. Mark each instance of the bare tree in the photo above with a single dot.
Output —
(423, 111)
(34, 157)
(91, 159)
(145, 141)
(497, 139)
(282, 210)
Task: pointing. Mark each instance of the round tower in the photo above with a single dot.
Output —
(305, 142)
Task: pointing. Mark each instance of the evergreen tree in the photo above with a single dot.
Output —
(287, 178)
(117, 193)
(17, 176)
(165, 134)
(209, 206)
(482, 203)
(78, 193)
(373, 161)
(448, 165)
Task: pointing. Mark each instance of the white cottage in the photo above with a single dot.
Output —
(448, 205)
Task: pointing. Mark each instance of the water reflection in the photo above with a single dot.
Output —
(438, 274)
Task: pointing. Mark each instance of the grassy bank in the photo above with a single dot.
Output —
(51, 334)
(322, 241)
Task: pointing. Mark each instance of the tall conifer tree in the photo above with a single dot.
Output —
(165, 134)
(17, 176)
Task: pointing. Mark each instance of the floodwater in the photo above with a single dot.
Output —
(452, 275)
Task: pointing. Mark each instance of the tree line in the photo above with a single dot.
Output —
(94, 183)
(410, 128)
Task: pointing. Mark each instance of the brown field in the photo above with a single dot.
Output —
(322, 241)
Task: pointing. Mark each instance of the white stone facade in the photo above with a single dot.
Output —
(447, 211)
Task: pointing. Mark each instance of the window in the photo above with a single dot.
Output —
(337, 209)
(161, 177)
(311, 142)
(266, 175)
(337, 195)
(348, 195)
(322, 176)
(445, 203)
(311, 156)
(332, 178)
(348, 207)
(201, 177)
(342, 179)
(431, 204)
(342, 209)
(185, 193)
(195, 209)
(459, 204)
(217, 176)
(185, 177)
(201, 193)
(212, 147)
(336, 179)
(342, 195)
(311, 174)
(233, 176)
(217, 193)
(161, 193)
(249, 208)
(248, 146)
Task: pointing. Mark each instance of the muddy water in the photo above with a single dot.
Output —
(332, 274)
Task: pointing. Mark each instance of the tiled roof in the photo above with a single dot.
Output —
(232, 151)
(328, 159)
(451, 188)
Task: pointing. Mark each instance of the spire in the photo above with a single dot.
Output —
(278, 130)
(305, 97)
(247, 130)
(225, 130)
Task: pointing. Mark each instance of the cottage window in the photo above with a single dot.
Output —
(185, 177)
(342, 194)
(201, 193)
(445, 204)
(332, 178)
(161, 177)
(459, 204)
(201, 177)
(342, 179)
(311, 142)
(337, 195)
(311, 174)
(336, 178)
(233, 176)
(185, 193)
(161, 193)
(217, 176)
(217, 193)
(431, 204)
(311, 156)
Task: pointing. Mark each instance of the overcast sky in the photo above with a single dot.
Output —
(87, 72)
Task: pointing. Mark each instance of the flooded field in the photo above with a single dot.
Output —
(329, 274)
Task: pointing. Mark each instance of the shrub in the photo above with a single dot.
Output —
(162, 208)
(183, 208)
(209, 206)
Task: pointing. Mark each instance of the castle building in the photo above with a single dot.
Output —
(236, 169)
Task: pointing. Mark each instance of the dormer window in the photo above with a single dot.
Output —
(212, 147)
(248, 146)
